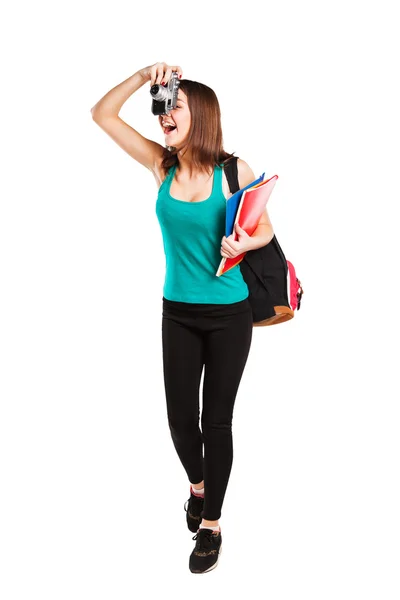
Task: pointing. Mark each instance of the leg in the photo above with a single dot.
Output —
(227, 348)
(183, 365)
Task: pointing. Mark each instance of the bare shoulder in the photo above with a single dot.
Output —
(245, 174)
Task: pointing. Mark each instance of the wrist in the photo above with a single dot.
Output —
(250, 243)
(262, 238)
(144, 74)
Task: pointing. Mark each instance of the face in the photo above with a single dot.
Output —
(180, 118)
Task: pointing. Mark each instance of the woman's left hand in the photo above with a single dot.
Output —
(231, 248)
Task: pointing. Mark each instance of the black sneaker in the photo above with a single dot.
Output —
(193, 506)
(206, 552)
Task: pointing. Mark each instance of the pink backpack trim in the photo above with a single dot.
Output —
(294, 289)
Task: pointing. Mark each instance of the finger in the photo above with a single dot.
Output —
(153, 73)
(167, 75)
(225, 246)
(160, 73)
(240, 230)
(226, 253)
(230, 245)
(178, 69)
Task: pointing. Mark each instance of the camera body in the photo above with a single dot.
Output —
(165, 98)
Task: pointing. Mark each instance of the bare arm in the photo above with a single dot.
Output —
(105, 114)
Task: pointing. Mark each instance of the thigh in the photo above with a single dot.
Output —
(183, 361)
(226, 351)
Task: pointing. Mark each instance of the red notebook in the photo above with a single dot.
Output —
(250, 209)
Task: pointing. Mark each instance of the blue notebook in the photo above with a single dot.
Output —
(233, 203)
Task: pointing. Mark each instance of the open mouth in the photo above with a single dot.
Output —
(168, 130)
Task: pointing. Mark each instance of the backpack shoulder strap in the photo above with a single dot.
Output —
(231, 172)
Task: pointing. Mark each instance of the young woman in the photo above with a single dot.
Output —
(206, 320)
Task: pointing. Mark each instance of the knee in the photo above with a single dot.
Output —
(180, 426)
(216, 427)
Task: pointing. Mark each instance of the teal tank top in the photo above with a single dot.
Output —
(192, 233)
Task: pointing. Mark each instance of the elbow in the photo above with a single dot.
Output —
(98, 114)
(95, 112)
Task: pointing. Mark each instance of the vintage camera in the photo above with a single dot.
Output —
(165, 98)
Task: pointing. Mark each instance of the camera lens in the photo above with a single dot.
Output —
(158, 92)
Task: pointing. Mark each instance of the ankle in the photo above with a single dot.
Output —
(197, 491)
(198, 486)
(210, 524)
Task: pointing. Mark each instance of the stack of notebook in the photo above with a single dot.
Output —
(245, 207)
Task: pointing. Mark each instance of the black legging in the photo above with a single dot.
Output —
(217, 336)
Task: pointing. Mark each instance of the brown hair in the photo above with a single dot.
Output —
(205, 134)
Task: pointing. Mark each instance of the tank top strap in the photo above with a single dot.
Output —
(168, 177)
(218, 176)
(171, 171)
(218, 187)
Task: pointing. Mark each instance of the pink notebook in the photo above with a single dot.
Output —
(250, 209)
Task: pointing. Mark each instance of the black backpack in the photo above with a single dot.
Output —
(274, 290)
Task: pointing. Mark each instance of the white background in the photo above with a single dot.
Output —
(92, 490)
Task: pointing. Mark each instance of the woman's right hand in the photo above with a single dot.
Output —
(159, 73)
